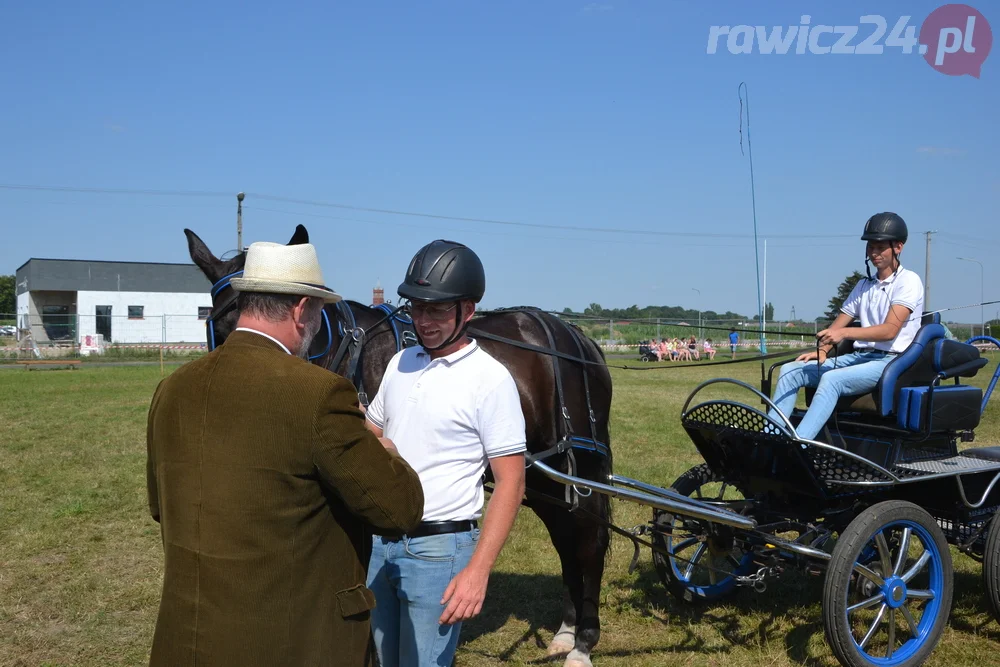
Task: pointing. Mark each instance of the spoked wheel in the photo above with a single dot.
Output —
(705, 558)
(888, 587)
(991, 566)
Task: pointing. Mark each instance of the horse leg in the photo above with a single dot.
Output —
(561, 528)
(590, 546)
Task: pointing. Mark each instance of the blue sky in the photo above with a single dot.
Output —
(606, 115)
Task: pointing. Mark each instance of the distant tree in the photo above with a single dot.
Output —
(7, 300)
(567, 311)
(768, 313)
(593, 309)
(843, 291)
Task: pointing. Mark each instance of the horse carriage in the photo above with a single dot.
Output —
(875, 511)
(873, 506)
(646, 352)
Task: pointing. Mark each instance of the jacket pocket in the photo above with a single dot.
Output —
(355, 601)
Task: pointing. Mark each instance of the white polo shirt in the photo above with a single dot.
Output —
(447, 417)
(870, 301)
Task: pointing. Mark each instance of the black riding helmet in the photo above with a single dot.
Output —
(885, 227)
(444, 271)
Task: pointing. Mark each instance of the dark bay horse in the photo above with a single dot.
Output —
(562, 400)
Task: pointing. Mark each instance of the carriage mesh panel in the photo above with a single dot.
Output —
(957, 532)
(732, 415)
(830, 466)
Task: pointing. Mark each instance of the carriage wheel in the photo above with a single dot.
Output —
(888, 587)
(707, 563)
(991, 566)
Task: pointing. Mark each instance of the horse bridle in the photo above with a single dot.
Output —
(230, 304)
(354, 337)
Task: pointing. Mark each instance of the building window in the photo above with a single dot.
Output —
(204, 312)
(135, 312)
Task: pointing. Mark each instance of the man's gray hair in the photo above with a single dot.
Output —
(267, 306)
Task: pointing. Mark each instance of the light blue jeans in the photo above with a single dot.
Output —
(408, 577)
(854, 373)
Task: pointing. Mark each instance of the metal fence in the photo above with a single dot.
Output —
(625, 335)
(69, 335)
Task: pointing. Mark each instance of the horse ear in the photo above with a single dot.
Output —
(300, 236)
(209, 264)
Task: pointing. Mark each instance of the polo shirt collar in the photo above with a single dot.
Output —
(457, 355)
(892, 277)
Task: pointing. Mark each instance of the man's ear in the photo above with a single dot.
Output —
(468, 310)
(300, 310)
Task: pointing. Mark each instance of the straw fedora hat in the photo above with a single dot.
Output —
(283, 269)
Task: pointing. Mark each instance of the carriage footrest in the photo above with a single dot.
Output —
(953, 407)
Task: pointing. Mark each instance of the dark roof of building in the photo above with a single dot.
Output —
(40, 274)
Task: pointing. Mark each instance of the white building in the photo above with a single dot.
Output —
(127, 302)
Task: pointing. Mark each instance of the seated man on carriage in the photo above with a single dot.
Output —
(889, 307)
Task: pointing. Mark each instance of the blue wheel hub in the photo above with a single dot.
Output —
(895, 592)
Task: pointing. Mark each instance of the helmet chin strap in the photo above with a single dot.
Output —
(459, 332)
(895, 262)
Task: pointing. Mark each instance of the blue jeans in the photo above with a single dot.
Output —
(408, 577)
(848, 374)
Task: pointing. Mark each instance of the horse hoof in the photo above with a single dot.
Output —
(559, 649)
(577, 659)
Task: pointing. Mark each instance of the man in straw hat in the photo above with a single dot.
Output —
(267, 487)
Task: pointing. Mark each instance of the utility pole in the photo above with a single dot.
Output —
(927, 272)
(239, 222)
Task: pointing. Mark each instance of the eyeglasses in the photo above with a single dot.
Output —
(431, 311)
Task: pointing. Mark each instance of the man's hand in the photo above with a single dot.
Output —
(389, 445)
(832, 336)
(811, 356)
(464, 596)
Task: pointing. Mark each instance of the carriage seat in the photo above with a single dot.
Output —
(905, 389)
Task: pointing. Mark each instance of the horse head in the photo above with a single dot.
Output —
(224, 315)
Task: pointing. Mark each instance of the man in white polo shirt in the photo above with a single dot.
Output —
(890, 307)
(451, 409)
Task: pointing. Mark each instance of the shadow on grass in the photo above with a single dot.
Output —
(970, 610)
(534, 599)
(531, 598)
(788, 611)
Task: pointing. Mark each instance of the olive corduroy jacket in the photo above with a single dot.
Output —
(267, 487)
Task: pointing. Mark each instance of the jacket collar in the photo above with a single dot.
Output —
(254, 338)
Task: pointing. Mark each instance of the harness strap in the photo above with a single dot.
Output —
(560, 395)
(479, 333)
(572, 496)
(586, 382)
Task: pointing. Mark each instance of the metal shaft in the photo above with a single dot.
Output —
(687, 507)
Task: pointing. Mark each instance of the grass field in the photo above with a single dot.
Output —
(80, 559)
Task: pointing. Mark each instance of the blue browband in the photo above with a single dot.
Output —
(395, 319)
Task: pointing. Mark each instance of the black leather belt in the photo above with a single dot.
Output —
(426, 528)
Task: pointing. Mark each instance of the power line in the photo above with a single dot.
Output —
(307, 202)
(116, 191)
(686, 244)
